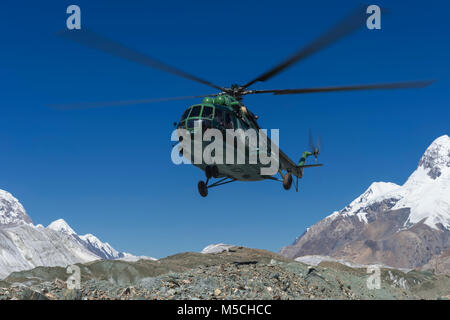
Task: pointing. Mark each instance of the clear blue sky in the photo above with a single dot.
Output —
(108, 171)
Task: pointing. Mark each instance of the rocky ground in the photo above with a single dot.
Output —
(239, 273)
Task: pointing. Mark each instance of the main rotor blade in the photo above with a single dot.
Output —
(89, 105)
(96, 41)
(349, 24)
(396, 85)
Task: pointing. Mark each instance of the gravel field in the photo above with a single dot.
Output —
(239, 273)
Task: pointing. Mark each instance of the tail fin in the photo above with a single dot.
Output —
(302, 161)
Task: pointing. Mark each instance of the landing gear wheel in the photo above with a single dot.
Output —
(208, 172)
(287, 181)
(202, 188)
(215, 171)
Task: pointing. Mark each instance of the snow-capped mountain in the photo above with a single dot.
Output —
(11, 211)
(102, 249)
(376, 191)
(61, 225)
(91, 242)
(25, 246)
(402, 226)
(426, 193)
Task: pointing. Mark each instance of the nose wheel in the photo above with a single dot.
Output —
(202, 188)
(211, 172)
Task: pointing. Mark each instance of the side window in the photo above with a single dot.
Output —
(229, 121)
(195, 111)
(207, 112)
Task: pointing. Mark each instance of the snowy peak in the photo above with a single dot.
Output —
(11, 211)
(61, 225)
(102, 249)
(373, 193)
(427, 190)
(403, 226)
(436, 158)
(376, 190)
(426, 193)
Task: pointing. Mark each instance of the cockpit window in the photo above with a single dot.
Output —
(195, 111)
(218, 116)
(207, 112)
(185, 114)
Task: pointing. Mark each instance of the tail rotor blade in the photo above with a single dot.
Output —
(319, 143)
(311, 141)
(315, 146)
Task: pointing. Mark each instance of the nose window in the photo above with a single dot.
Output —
(185, 114)
(195, 111)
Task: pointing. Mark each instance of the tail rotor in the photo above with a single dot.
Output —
(314, 146)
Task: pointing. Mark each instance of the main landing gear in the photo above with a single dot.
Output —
(211, 172)
(287, 181)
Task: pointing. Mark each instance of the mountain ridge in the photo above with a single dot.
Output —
(401, 226)
(25, 246)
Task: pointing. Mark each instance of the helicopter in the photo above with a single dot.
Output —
(225, 109)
